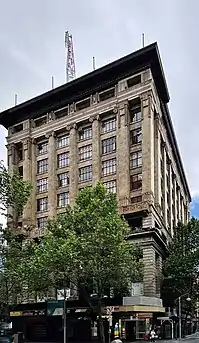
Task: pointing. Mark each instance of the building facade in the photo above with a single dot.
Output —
(111, 125)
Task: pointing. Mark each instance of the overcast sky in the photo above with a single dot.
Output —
(32, 50)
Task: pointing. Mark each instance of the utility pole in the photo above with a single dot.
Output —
(64, 315)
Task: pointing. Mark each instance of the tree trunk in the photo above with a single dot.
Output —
(101, 329)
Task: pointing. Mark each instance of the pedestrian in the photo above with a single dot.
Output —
(152, 336)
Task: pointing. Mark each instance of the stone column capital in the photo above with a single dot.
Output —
(95, 117)
(50, 134)
(71, 126)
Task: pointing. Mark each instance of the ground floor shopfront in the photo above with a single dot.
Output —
(44, 322)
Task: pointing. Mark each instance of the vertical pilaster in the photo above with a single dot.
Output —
(157, 164)
(179, 205)
(34, 182)
(170, 219)
(73, 189)
(148, 147)
(52, 194)
(175, 200)
(158, 275)
(149, 261)
(11, 166)
(96, 149)
(165, 184)
(123, 153)
(27, 176)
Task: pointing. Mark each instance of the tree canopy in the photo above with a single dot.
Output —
(181, 268)
(86, 249)
(14, 193)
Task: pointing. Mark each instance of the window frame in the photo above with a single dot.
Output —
(63, 138)
(134, 183)
(42, 207)
(109, 167)
(87, 153)
(42, 169)
(136, 139)
(108, 125)
(137, 159)
(112, 189)
(42, 150)
(63, 202)
(63, 162)
(82, 135)
(66, 178)
(88, 171)
(106, 148)
(42, 188)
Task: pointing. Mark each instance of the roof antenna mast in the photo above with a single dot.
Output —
(15, 99)
(143, 40)
(93, 63)
(70, 59)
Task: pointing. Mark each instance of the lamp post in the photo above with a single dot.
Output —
(180, 312)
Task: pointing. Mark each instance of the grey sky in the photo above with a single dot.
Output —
(32, 50)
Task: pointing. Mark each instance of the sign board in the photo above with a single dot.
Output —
(137, 288)
(60, 294)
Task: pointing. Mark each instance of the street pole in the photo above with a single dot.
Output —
(64, 315)
(180, 320)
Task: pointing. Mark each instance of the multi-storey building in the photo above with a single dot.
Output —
(113, 125)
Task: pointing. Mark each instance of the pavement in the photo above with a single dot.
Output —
(188, 339)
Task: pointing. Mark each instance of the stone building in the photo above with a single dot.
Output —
(113, 125)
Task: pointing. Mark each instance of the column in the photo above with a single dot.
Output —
(170, 219)
(123, 153)
(73, 189)
(175, 200)
(52, 181)
(159, 275)
(157, 169)
(96, 162)
(27, 176)
(165, 184)
(11, 166)
(34, 182)
(179, 205)
(147, 147)
(149, 261)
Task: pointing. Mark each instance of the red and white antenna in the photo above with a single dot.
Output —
(70, 59)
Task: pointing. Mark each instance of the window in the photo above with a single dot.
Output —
(62, 112)
(85, 173)
(109, 167)
(42, 204)
(41, 121)
(136, 159)
(63, 160)
(42, 166)
(63, 179)
(18, 128)
(62, 141)
(109, 125)
(135, 200)
(110, 186)
(136, 136)
(133, 81)
(85, 133)
(107, 94)
(136, 182)
(82, 104)
(42, 185)
(135, 111)
(63, 199)
(85, 152)
(42, 148)
(41, 223)
(109, 145)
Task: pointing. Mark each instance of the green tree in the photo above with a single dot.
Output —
(14, 193)
(181, 266)
(86, 248)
